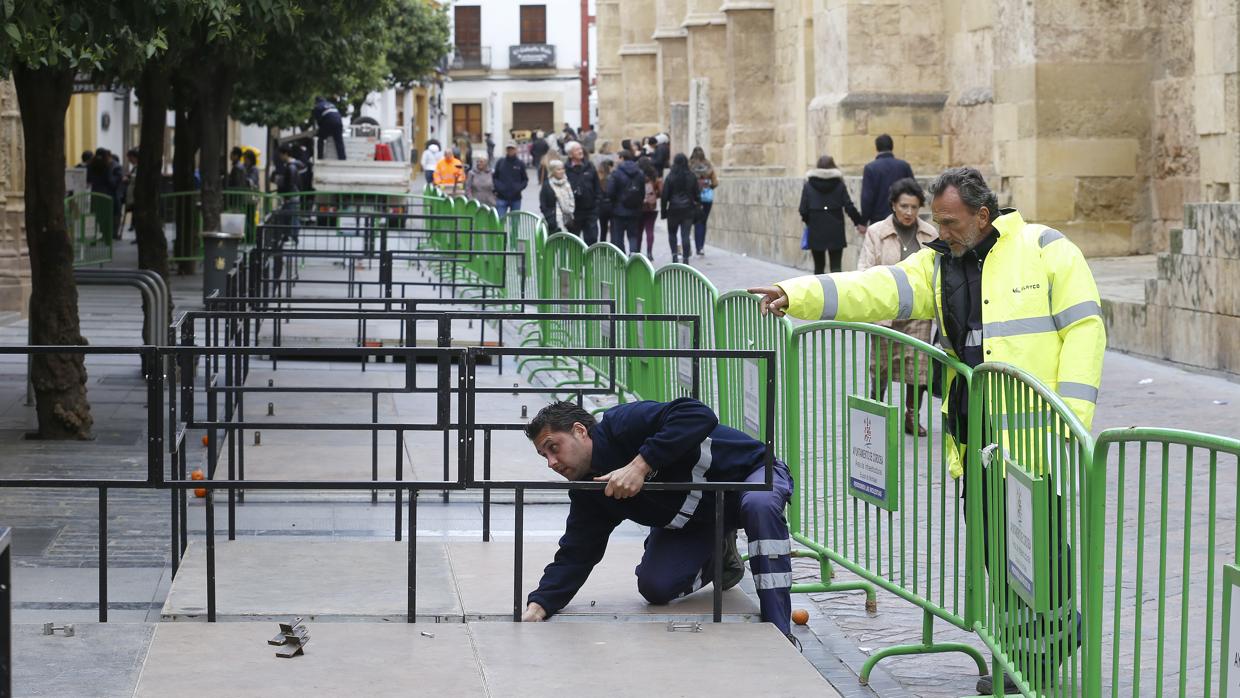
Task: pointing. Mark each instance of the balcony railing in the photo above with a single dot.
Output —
(531, 56)
(470, 58)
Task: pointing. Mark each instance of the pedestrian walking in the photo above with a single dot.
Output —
(626, 187)
(430, 158)
(236, 179)
(824, 201)
(538, 151)
(662, 442)
(1050, 325)
(556, 201)
(876, 180)
(707, 184)
(490, 143)
(887, 242)
(479, 183)
(650, 202)
(605, 224)
(679, 202)
(583, 179)
(588, 138)
(509, 181)
(250, 161)
(130, 183)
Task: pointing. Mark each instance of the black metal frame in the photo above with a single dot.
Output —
(182, 359)
(6, 613)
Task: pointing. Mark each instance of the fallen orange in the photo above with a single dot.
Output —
(800, 616)
(204, 439)
(197, 475)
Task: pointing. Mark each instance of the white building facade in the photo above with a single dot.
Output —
(517, 66)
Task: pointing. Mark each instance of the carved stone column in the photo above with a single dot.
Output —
(750, 66)
(14, 256)
(706, 48)
(673, 63)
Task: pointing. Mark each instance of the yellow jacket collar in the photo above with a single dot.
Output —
(1009, 222)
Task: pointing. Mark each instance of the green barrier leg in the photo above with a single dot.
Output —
(826, 574)
(927, 646)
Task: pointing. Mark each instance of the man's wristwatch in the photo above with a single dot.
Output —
(650, 475)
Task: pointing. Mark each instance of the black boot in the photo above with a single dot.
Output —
(986, 685)
(733, 567)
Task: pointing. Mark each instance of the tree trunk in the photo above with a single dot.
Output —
(59, 379)
(153, 93)
(214, 101)
(184, 153)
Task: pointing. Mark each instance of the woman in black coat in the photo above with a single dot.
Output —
(679, 203)
(824, 201)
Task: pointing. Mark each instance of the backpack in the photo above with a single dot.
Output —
(633, 195)
(707, 193)
(650, 200)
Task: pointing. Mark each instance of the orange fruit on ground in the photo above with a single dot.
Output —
(800, 616)
(197, 475)
(204, 439)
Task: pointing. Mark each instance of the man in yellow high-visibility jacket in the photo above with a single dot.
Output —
(1000, 289)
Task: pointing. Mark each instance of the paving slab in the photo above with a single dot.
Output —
(274, 579)
(101, 659)
(548, 660)
(342, 659)
(483, 574)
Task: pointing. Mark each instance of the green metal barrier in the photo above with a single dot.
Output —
(89, 220)
(1028, 508)
(643, 372)
(605, 278)
(562, 277)
(522, 227)
(682, 290)
(871, 498)
(1164, 509)
(742, 401)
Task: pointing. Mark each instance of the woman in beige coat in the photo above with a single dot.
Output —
(888, 242)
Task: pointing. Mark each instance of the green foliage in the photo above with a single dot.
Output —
(419, 38)
(343, 50)
(78, 35)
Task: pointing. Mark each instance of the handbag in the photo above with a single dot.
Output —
(805, 238)
(708, 195)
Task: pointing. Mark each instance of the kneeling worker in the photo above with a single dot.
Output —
(678, 441)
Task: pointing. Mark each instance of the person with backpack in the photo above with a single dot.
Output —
(626, 187)
(707, 184)
(650, 201)
(680, 202)
(604, 207)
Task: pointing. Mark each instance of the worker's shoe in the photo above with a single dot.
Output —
(795, 642)
(986, 685)
(733, 567)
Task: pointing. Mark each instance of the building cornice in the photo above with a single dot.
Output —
(639, 50)
(703, 19)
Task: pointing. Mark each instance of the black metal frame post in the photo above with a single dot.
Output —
(6, 613)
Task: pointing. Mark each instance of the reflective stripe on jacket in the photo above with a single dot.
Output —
(1040, 312)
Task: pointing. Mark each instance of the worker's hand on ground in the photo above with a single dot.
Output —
(534, 613)
(625, 482)
(773, 300)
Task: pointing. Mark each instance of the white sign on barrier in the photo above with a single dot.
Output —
(1229, 683)
(1020, 533)
(604, 291)
(870, 449)
(566, 288)
(684, 364)
(752, 393)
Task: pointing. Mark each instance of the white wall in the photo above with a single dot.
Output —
(501, 28)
